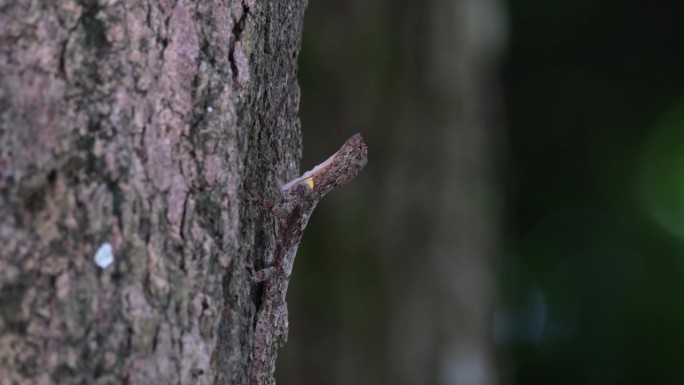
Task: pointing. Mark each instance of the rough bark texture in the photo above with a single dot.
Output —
(138, 124)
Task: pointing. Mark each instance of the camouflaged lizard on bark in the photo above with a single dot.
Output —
(300, 197)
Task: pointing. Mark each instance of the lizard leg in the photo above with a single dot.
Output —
(263, 274)
(268, 206)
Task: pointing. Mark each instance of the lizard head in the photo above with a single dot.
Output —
(340, 168)
(337, 170)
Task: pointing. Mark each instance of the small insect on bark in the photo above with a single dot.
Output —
(300, 197)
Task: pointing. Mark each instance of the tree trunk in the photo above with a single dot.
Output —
(441, 189)
(139, 125)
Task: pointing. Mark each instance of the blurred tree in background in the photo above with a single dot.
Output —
(395, 282)
(590, 175)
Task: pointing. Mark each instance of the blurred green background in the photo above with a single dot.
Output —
(595, 193)
(571, 118)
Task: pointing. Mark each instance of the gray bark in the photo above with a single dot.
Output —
(141, 125)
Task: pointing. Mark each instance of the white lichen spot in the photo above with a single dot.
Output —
(104, 256)
(209, 109)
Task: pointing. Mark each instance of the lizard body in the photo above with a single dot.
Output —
(300, 197)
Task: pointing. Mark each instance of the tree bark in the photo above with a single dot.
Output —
(139, 125)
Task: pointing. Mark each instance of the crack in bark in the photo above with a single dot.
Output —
(238, 28)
